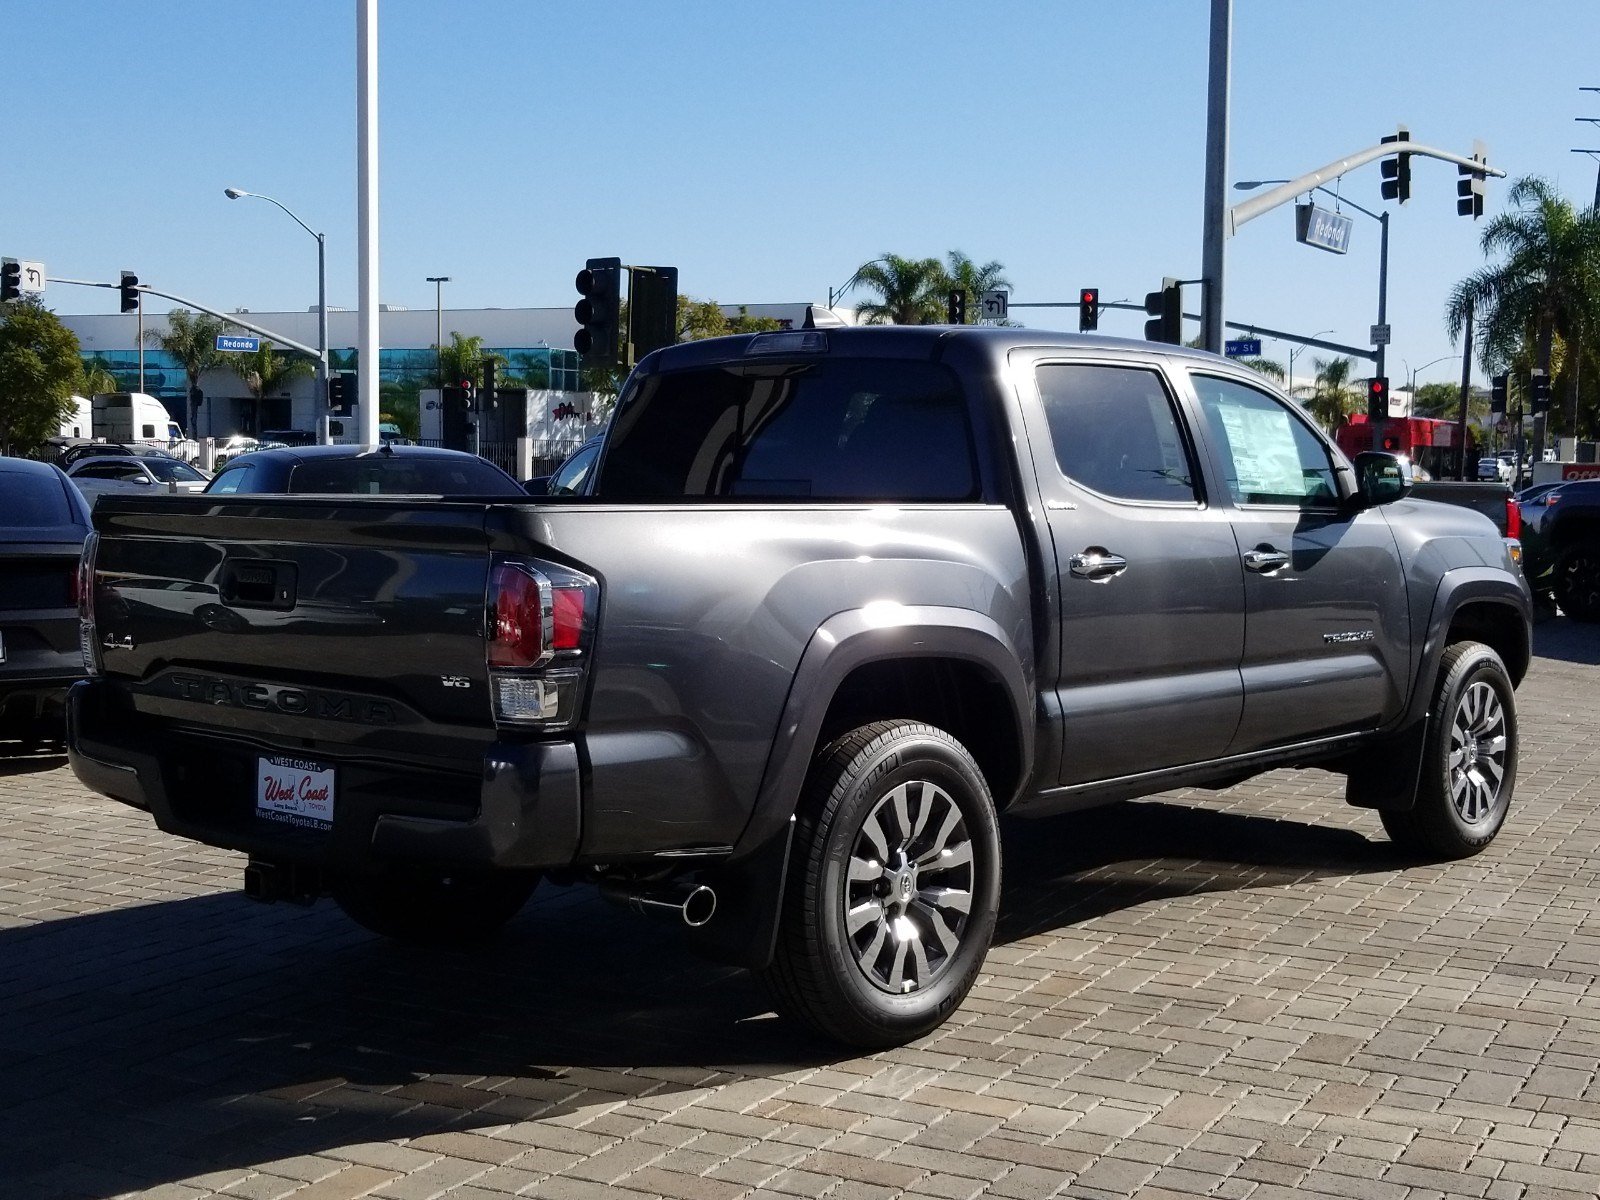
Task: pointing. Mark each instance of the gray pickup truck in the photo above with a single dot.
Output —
(832, 600)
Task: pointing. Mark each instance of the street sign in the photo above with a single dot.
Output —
(238, 343)
(1242, 348)
(992, 306)
(1321, 228)
(1379, 335)
(32, 277)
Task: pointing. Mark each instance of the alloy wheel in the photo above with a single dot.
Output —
(1477, 762)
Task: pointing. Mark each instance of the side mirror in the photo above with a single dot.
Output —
(538, 486)
(1382, 478)
(139, 479)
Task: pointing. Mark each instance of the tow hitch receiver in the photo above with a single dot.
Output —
(267, 881)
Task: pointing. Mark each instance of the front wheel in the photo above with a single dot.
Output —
(1576, 581)
(434, 910)
(893, 891)
(1469, 764)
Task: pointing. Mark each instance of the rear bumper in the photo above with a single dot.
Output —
(519, 810)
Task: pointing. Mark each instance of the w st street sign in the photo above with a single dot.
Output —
(238, 343)
(1242, 348)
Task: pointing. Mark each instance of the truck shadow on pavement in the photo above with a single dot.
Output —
(155, 1043)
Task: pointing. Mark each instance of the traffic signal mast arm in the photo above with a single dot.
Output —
(1249, 210)
(230, 318)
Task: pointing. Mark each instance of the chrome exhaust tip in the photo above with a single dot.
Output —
(694, 905)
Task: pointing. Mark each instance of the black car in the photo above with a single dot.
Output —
(569, 478)
(385, 470)
(43, 523)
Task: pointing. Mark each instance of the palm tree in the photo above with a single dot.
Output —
(1546, 286)
(97, 377)
(910, 291)
(462, 359)
(192, 342)
(1333, 397)
(964, 275)
(268, 372)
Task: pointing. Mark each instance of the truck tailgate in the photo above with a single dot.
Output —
(308, 622)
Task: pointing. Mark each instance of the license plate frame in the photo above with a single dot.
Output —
(299, 792)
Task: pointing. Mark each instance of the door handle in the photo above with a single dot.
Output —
(1264, 562)
(1097, 563)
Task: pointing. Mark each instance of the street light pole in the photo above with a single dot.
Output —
(438, 282)
(1297, 350)
(322, 306)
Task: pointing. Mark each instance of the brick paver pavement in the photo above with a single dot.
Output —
(1240, 995)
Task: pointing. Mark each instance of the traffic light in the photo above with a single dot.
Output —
(10, 279)
(956, 307)
(1471, 187)
(489, 389)
(1539, 392)
(130, 292)
(1397, 170)
(1497, 395)
(600, 285)
(1088, 310)
(1166, 307)
(341, 392)
(1378, 398)
(652, 310)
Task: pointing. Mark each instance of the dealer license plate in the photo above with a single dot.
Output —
(294, 791)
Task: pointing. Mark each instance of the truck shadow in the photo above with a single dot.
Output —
(155, 1043)
(1565, 640)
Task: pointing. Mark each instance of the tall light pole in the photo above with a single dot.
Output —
(1411, 388)
(322, 306)
(1245, 185)
(438, 282)
(1293, 351)
(1215, 227)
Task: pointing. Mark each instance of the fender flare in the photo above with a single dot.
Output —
(852, 638)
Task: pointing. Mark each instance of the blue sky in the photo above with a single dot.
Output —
(766, 150)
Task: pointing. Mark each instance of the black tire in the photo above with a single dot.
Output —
(886, 982)
(1469, 764)
(1576, 581)
(434, 910)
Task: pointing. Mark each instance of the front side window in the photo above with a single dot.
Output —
(1115, 432)
(1269, 454)
(833, 429)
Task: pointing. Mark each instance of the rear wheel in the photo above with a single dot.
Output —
(434, 910)
(1470, 761)
(1576, 581)
(892, 894)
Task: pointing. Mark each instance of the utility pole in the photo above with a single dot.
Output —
(367, 217)
(1466, 386)
(438, 282)
(1214, 257)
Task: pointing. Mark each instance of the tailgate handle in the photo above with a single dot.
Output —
(258, 583)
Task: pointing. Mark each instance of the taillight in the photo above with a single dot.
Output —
(1513, 518)
(88, 638)
(540, 619)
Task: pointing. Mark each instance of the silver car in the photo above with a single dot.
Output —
(134, 475)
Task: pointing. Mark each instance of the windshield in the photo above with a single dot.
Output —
(170, 470)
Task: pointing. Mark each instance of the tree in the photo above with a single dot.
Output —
(97, 377)
(1545, 286)
(963, 275)
(40, 369)
(462, 359)
(698, 319)
(268, 372)
(192, 342)
(911, 291)
(1264, 366)
(1333, 396)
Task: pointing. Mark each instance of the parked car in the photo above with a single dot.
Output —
(385, 470)
(1569, 541)
(832, 602)
(1497, 468)
(43, 523)
(133, 474)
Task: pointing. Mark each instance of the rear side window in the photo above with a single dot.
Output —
(393, 475)
(841, 429)
(1115, 432)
